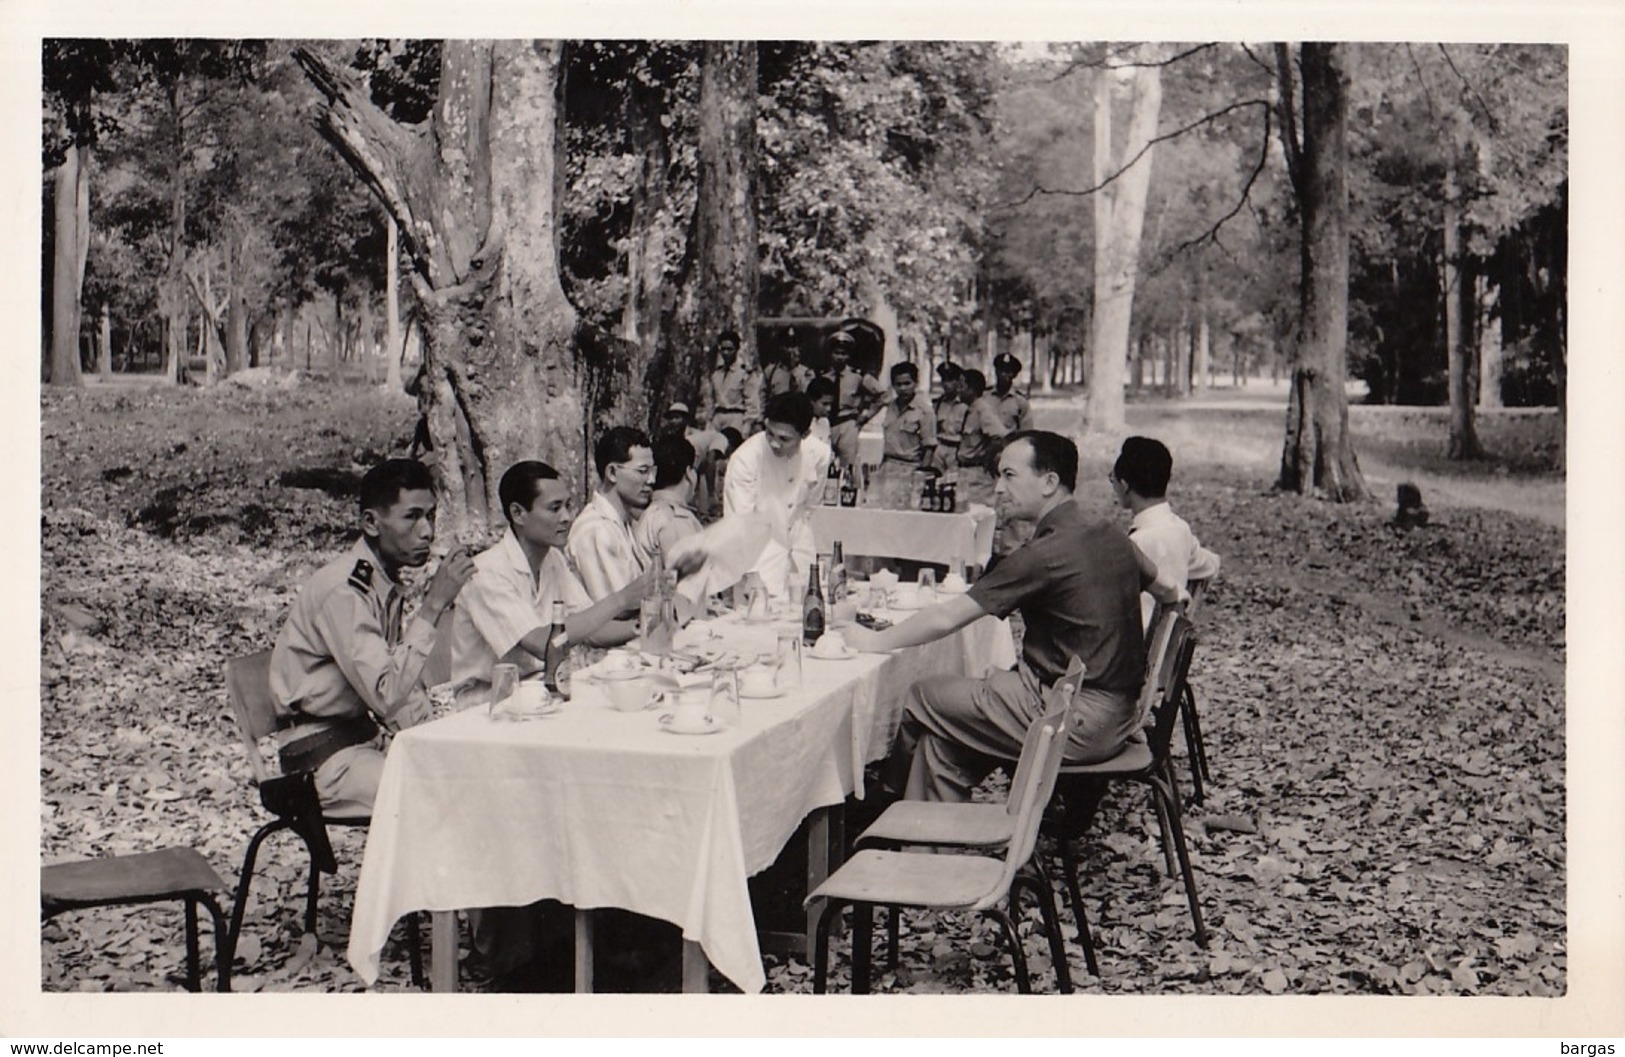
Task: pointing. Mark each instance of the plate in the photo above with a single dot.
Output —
(845, 655)
(764, 695)
(900, 606)
(666, 725)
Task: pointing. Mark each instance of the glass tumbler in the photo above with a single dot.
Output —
(928, 583)
(787, 661)
(725, 696)
(504, 683)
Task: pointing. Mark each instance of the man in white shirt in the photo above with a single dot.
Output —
(506, 610)
(779, 473)
(1140, 480)
(606, 555)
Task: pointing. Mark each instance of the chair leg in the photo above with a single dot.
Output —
(894, 915)
(194, 980)
(1193, 745)
(826, 917)
(245, 879)
(1039, 884)
(222, 945)
(1069, 877)
(863, 929)
(1187, 873)
(1018, 957)
(414, 949)
(1196, 728)
(311, 897)
(1161, 810)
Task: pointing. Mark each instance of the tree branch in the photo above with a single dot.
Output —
(1206, 119)
(1489, 115)
(1212, 233)
(1106, 63)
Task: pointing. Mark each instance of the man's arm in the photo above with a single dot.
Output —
(739, 488)
(927, 625)
(1155, 583)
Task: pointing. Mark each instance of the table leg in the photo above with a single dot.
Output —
(443, 951)
(583, 951)
(696, 970)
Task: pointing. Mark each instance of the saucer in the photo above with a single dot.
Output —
(764, 695)
(846, 654)
(666, 724)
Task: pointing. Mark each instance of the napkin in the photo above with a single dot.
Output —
(729, 548)
(883, 579)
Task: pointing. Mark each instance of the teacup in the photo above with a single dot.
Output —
(530, 695)
(628, 691)
(691, 709)
(758, 681)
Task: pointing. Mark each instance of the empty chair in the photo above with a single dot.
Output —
(149, 877)
(956, 881)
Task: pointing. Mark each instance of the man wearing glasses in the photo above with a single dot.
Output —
(602, 547)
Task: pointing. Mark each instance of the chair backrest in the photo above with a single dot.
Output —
(1198, 593)
(1170, 681)
(1040, 763)
(248, 685)
(1058, 696)
(1156, 652)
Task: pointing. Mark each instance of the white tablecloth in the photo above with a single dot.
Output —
(598, 808)
(965, 536)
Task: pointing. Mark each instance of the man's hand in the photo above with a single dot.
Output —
(862, 639)
(417, 709)
(686, 557)
(628, 597)
(455, 570)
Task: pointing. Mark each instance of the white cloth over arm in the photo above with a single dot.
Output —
(783, 491)
(731, 547)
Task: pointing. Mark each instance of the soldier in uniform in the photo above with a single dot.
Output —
(910, 426)
(1013, 407)
(856, 395)
(950, 412)
(981, 431)
(787, 374)
(733, 395)
(347, 658)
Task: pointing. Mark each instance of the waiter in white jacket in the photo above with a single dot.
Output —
(779, 475)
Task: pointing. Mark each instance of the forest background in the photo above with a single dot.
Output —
(1025, 320)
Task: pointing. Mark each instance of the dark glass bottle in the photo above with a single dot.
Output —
(832, 484)
(849, 487)
(812, 608)
(556, 676)
(837, 575)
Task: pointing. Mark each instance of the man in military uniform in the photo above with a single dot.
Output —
(909, 426)
(856, 395)
(981, 431)
(733, 395)
(950, 412)
(1013, 407)
(787, 374)
(343, 661)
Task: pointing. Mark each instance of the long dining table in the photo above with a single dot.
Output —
(599, 808)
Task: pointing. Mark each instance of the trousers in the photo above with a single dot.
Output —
(347, 781)
(955, 730)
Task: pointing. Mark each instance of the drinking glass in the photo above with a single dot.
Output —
(787, 660)
(928, 582)
(725, 696)
(504, 682)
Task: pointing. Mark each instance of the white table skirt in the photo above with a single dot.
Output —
(598, 808)
(964, 536)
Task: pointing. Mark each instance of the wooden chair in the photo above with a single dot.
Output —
(956, 882)
(980, 825)
(150, 877)
(1146, 760)
(1195, 746)
(291, 798)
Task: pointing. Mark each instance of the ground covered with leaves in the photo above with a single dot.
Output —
(1384, 711)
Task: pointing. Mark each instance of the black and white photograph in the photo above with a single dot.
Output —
(901, 504)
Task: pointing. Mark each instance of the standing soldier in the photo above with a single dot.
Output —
(981, 431)
(910, 426)
(856, 394)
(1013, 407)
(950, 412)
(733, 397)
(786, 374)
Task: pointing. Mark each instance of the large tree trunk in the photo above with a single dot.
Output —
(236, 317)
(392, 311)
(883, 315)
(70, 248)
(1119, 218)
(1458, 294)
(1317, 454)
(719, 287)
(648, 298)
(473, 191)
(1488, 327)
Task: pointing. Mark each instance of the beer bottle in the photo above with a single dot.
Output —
(556, 675)
(812, 608)
(849, 486)
(832, 484)
(837, 575)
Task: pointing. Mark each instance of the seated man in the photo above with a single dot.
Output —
(669, 517)
(506, 610)
(779, 473)
(1077, 586)
(601, 544)
(1140, 479)
(343, 661)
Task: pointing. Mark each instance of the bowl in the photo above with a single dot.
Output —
(628, 691)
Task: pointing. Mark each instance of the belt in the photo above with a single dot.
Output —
(845, 418)
(730, 411)
(312, 750)
(952, 442)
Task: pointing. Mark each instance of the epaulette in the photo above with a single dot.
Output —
(361, 576)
